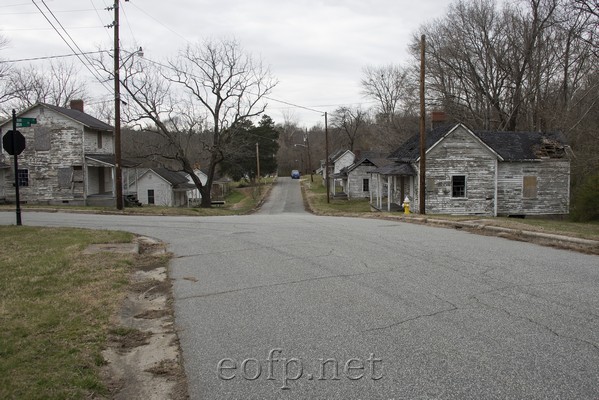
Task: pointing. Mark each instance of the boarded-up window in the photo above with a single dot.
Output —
(41, 138)
(65, 177)
(529, 187)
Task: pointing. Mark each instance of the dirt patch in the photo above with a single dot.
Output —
(143, 356)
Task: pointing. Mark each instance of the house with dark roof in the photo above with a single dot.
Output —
(480, 172)
(162, 187)
(356, 178)
(339, 160)
(69, 158)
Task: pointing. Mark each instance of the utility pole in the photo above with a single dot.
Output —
(118, 178)
(326, 139)
(258, 162)
(422, 182)
(309, 160)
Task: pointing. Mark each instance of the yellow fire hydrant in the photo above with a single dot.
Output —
(406, 205)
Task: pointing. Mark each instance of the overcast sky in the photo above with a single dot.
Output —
(316, 49)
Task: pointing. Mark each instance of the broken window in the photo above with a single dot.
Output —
(529, 187)
(458, 186)
(23, 177)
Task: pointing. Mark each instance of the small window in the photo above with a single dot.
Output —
(23, 177)
(150, 196)
(458, 186)
(529, 187)
(99, 140)
(365, 185)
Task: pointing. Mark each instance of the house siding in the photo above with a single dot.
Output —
(54, 144)
(355, 180)
(553, 182)
(460, 154)
(163, 192)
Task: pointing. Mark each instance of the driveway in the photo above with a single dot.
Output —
(286, 305)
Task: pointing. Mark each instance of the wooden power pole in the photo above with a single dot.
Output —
(422, 181)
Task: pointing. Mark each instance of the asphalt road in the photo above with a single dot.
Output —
(286, 305)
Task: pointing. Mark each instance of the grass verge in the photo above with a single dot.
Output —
(239, 201)
(315, 195)
(55, 307)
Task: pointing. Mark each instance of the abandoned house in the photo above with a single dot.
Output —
(475, 172)
(356, 178)
(68, 159)
(161, 187)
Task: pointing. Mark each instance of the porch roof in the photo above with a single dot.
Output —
(107, 160)
(395, 169)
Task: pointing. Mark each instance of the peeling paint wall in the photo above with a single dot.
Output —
(54, 158)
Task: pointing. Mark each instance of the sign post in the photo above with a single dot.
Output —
(14, 144)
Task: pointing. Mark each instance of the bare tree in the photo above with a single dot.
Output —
(57, 84)
(196, 101)
(5, 70)
(387, 85)
(510, 68)
(351, 122)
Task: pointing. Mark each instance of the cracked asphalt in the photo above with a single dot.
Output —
(286, 305)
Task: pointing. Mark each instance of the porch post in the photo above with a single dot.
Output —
(389, 191)
(370, 188)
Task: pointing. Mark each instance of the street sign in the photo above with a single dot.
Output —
(26, 122)
(13, 142)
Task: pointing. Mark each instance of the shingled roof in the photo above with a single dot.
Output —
(510, 146)
(81, 117)
(409, 151)
(519, 146)
(177, 179)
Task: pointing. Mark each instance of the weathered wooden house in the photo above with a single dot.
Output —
(162, 187)
(475, 172)
(356, 179)
(339, 160)
(68, 159)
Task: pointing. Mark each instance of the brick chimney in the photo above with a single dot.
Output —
(77, 105)
(438, 118)
(358, 154)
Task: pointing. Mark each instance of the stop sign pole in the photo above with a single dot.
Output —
(15, 157)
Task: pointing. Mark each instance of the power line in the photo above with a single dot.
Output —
(161, 23)
(93, 72)
(99, 16)
(57, 12)
(51, 57)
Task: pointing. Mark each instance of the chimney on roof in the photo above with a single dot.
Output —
(358, 154)
(438, 118)
(77, 105)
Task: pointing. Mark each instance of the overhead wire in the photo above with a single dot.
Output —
(79, 54)
(50, 57)
(99, 16)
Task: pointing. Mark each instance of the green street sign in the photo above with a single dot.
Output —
(26, 122)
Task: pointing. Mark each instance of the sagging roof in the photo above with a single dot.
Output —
(518, 146)
(510, 146)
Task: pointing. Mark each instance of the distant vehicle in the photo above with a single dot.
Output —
(295, 174)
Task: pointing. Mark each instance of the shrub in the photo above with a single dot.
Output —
(585, 204)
